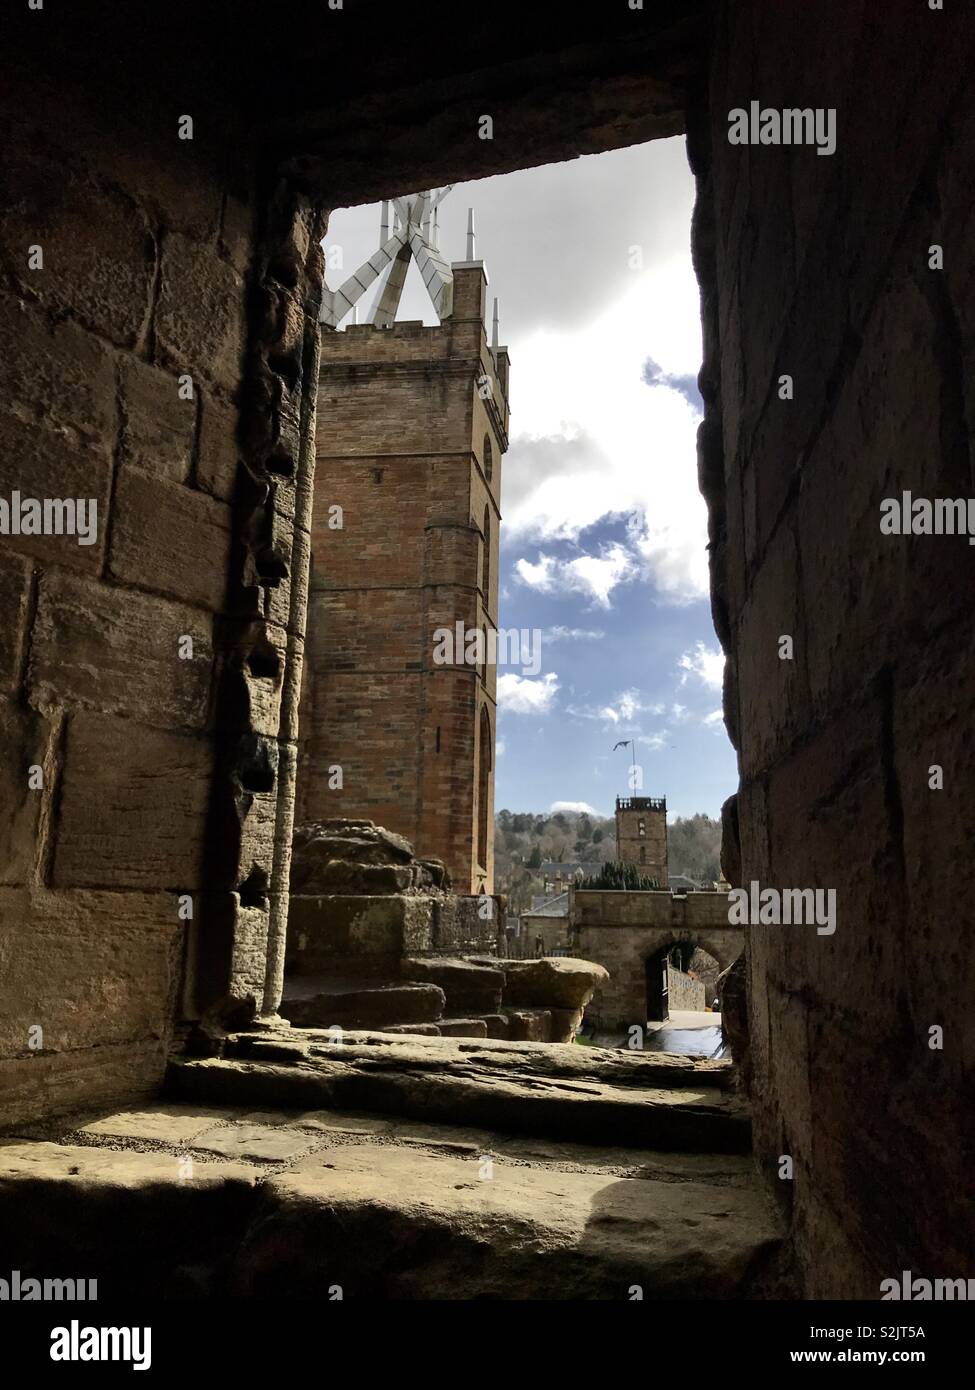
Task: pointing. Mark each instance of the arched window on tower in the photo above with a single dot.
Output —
(488, 458)
(486, 563)
(485, 759)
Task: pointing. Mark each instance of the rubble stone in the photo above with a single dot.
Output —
(559, 982)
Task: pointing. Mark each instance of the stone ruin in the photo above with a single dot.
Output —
(377, 939)
(170, 783)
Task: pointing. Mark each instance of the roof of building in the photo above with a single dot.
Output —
(554, 907)
(681, 881)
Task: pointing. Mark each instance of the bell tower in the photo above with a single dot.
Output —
(412, 429)
(641, 834)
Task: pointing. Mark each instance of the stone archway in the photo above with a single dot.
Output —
(671, 981)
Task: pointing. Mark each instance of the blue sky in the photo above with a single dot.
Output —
(618, 675)
(603, 530)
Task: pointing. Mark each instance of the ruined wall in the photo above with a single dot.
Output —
(819, 267)
(146, 350)
(620, 931)
(166, 258)
(400, 452)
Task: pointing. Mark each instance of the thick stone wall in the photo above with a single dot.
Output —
(621, 931)
(154, 347)
(819, 268)
(551, 932)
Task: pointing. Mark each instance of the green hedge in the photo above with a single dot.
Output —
(622, 877)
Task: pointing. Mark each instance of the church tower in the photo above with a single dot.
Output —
(641, 835)
(412, 427)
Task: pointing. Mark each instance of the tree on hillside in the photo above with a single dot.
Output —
(694, 847)
(524, 840)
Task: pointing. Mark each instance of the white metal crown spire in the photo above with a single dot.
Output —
(414, 235)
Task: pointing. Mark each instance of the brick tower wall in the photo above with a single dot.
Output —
(401, 451)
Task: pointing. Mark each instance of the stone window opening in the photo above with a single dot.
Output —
(488, 458)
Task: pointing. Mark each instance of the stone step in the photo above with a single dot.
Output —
(312, 1002)
(470, 989)
(175, 1200)
(462, 1027)
(641, 1101)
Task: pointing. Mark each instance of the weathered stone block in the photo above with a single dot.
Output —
(98, 254)
(565, 1024)
(217, 461)
(384, 927)
(255, 654)
(341, 877)
(200, 312)
(15, 578)
(320, 844)
(92, 968)
(772, 690)
(23, 744)
(118, 651)
(170, 538)
(462, 1027)
(559, 982)
(160, 1123)
(255, 1143)
(422, 1030)
(137, 821)
(57, 372)
(158, 424)
(365, 1008)
(469, 988)
(529, 1025)
(48, 464)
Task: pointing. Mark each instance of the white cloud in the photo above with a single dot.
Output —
(596, 441)
(521, 695)
(499, 747)
(624, 710)
(596, 576)
(705, 663)
(540, 576)
(714, 720)
(582, 807)
(653, 741)
(599, 575)
(572, 634)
